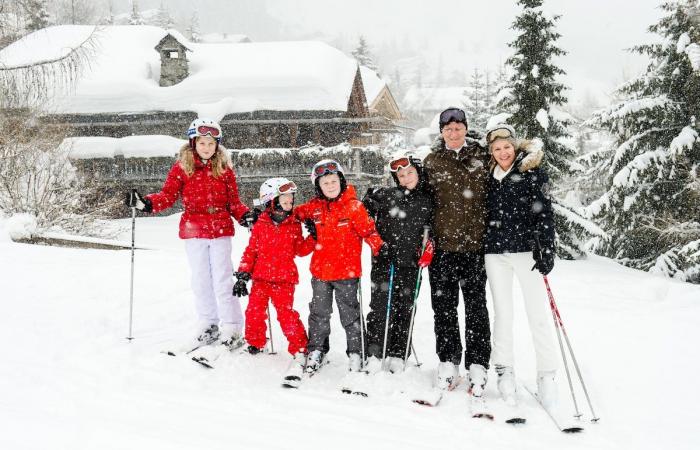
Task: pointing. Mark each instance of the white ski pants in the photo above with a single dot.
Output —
(212, 280)
(500, 269)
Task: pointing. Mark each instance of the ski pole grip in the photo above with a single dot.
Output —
(426, 230)
(536, 234)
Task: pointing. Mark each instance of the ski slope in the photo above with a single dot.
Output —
(70, 380)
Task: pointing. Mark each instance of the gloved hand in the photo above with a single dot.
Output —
(544, 260)
(387, 252)
(427, 256)
(240, 289)
(249, 218)
(135, 200)
(310, 226)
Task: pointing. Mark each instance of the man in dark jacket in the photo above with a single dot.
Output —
(458, 172)
(401, 215)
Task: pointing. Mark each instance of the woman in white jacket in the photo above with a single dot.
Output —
(519, 209)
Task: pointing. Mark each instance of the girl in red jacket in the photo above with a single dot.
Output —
(340, 222)
(204, 178)
(269, 261)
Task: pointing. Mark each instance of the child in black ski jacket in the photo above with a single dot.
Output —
(401, 214)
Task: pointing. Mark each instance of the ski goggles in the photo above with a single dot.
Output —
(326, 168)
(287, 188)
(500, 132)
(203, 130)
(452, 115)
(400, 163)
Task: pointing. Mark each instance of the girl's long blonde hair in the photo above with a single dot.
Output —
(219, 162)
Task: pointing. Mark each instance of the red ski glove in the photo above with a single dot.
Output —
(427, 256)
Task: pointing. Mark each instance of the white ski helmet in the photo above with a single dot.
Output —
(273, 188)
(324, 167)
(204, 127)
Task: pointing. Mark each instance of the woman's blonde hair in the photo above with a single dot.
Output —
(219, 162)
(516, 143)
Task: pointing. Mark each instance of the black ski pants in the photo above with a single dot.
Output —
(404, 285)
(449, 273)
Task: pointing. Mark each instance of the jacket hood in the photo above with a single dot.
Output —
(528, 155)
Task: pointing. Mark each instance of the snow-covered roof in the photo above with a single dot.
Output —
(123, 76)
(372, 83)
(87, 147)
(434, 98)
(218, 38)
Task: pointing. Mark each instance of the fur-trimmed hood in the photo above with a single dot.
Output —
(528, 155)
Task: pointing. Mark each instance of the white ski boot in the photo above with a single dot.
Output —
(209, 335)
(313, 362)
(374, 365)
(506, 384)
(547, 391)
(394, 364)
(477, 383)
(292, 378)
(354, 362)
(447, 376)
(231, 338)
(477, 379)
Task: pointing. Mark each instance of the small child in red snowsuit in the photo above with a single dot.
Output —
(268, 260)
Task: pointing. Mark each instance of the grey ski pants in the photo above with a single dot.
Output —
(320, 310)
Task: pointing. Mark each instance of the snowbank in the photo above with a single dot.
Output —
(17, 226)
(70, 373)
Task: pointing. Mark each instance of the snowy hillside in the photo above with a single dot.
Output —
(70, 379)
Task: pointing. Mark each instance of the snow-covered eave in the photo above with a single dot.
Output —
(283, 117)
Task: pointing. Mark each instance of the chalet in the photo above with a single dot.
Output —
(145, 81)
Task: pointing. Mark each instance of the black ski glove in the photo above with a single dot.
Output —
(135, 200)
(249, 218)
(544, 259)
(240, 289)
(310, 226)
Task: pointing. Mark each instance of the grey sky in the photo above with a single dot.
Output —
(594, 32)
(462, 34)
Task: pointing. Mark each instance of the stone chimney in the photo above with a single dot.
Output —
(173, 60)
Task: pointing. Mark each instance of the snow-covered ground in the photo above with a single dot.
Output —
(70, 380)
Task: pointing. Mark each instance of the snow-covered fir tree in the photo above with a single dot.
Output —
(363, 55)
(37, 16)
(193, 28)
(163, 18)
(476, 101)
(533, 99)
(108, 19)
(651, 208)
(135, 18)
(534, 89)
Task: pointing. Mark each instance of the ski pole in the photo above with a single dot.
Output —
(362, 323)
(557, 316)
(388, 311)
(559, 326)
(409, 343)
(415, 355)
(269, 327)
(133, 241)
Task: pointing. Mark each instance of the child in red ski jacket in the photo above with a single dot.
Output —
(340, 223)
(204, 179)
(268, 260)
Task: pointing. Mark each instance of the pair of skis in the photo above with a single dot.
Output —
(214, 352)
